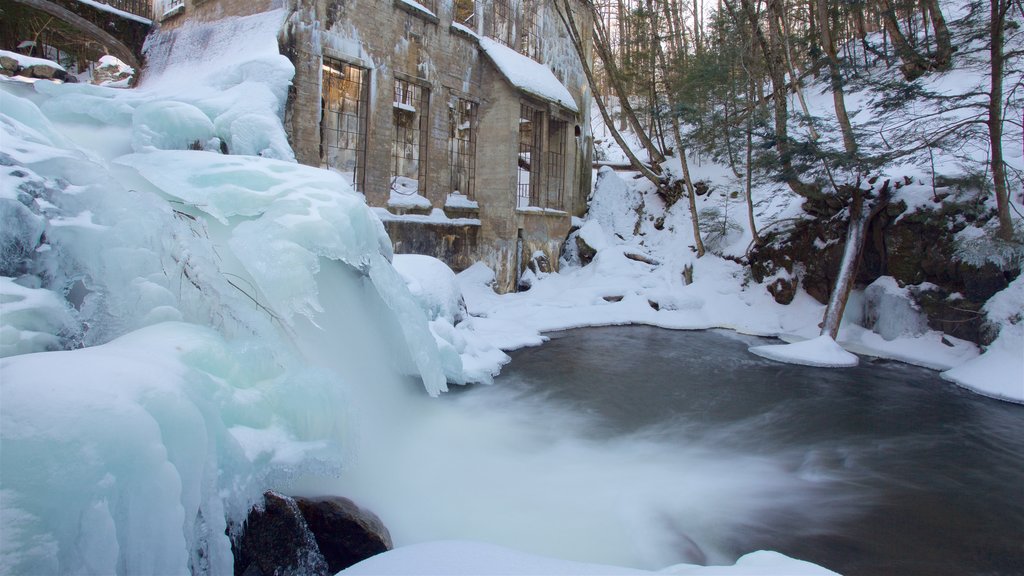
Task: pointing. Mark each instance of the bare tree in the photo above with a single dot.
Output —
(999, 9)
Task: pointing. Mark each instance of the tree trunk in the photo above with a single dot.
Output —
(999, 8)
(780, 13)
(566, 15)
(943, 58)
(603, 46)
(778, 77)
(914, 65)
(749, 175)
(835, 75)
(855, 236)
(678, 133)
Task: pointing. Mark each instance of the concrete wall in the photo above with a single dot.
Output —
(393, 40)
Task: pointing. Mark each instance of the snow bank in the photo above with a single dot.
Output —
(999, 371)
(452, 558)
(821, 351)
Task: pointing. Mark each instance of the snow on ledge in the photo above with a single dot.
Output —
(528, 75)
(417, 7)
(117, 12)
(436, 216)
(29, 61)
(821, 352)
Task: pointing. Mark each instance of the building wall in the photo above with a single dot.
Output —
(394, 40)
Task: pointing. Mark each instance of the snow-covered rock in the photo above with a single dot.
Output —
(890, 310)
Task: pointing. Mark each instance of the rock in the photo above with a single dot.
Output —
(783, 290)
(584, 251)
(8, 66)
(276, 541)
(890, 310)
(540, 264)
(345, 533)
(44, 72)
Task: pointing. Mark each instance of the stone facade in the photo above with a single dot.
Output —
(403, 100)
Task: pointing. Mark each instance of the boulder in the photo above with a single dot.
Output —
(344, 532)
(276, 541)
(890, 310)
(44, 72)
(8, 66)
(307, 537)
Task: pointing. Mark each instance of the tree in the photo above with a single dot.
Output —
(998, 10)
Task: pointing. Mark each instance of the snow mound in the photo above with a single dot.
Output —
(999, 371)
(455, 558)
(821, 351)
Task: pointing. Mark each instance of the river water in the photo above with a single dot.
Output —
(919, 476)
(643, 447)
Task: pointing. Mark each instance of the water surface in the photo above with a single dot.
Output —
(886, 468)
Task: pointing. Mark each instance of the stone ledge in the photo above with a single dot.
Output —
(419, 12)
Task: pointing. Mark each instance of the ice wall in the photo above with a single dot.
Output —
(182, 329)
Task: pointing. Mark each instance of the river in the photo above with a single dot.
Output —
(645, 447)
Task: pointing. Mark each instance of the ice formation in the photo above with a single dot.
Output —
(182, 329)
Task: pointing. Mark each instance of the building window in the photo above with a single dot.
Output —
(503, 23)
(167, 8)
(555, 165)
(344, 100)
(409, 149)
(528, 182)
(529, 35)
(428, 4)
(462, 125)
(465, 13)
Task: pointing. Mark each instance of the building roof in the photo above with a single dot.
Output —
(527, 75)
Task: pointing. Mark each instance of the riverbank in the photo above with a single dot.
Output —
(640, 272)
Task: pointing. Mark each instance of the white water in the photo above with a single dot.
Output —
(496, 466)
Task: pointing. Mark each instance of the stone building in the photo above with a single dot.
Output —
(465, 123)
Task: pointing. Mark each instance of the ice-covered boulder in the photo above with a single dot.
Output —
(433, 285)
(890, 310)
(169, 125)
(344, 532)
(276, 540)
(614, 205)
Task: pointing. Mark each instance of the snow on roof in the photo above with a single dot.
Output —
(118, 12)
(29, 61)
(527, 75)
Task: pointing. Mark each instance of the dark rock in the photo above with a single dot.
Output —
(345, 533)
(612, 298)
(276, 541)
(783, 290)
(540, 264)
(585, 251)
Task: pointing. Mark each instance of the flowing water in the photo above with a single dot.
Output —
(644, 447)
